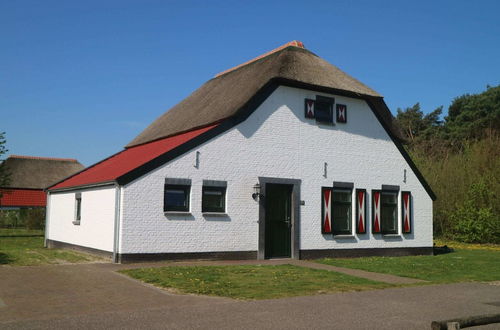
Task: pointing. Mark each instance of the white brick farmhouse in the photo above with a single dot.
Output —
(282, 156)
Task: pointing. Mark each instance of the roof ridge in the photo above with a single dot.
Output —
(43, 158)
(294, 43)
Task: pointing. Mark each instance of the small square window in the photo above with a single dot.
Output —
(342, 211)
(323, 109)
(176, 198)
(213, 199)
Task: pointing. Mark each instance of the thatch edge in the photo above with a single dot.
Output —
(376, 104)
(282, 73)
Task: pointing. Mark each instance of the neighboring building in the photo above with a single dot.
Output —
(282, 156)
(29, 176)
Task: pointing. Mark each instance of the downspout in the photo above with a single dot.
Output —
(116, 240)
(47, 214)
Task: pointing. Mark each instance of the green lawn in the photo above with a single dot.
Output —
(20, 232)
(18, 247)
(460, 266)
(251, 282)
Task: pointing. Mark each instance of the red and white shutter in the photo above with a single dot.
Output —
(360, 211)
(406, 211)
(326, 209)
(309, 108)
(341, 113)
(376, 211)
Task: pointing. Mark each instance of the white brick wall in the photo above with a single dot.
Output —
(96, 227)
(275, 141)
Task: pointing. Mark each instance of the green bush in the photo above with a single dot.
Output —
(9, 219)
(467, 186)
(473, 221)
(33, 218)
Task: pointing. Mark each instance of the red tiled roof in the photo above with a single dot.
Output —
(23, 197)
(127, 160)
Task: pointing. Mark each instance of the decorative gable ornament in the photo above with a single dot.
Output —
(406, 208)
(341, 113)
(309, 108)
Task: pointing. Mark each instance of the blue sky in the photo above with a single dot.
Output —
(80, 79)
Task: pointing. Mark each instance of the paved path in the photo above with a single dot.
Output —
(95, 296)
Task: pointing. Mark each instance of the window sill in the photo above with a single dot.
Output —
(214, 214)
(76, 223)
(343, 236)
(177, 213)
(391, 235)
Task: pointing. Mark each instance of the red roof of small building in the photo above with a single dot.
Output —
(23, 197)
(127, 160)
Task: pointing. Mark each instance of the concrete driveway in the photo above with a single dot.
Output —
(95, 296)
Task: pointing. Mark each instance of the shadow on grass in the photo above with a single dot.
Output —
(5, 259)
(442, 250)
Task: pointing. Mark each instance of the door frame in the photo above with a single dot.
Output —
(295, 230)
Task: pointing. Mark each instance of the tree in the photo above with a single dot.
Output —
(470, 115)
(415, 124)
(4, 173)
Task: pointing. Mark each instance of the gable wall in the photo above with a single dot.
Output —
(275, 141)
(96, 228)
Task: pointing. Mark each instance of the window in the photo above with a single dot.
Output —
(213, 196)
(323, 109)
(389, 212)
(342, 211)
(176, 196)
(78, 208)
(385, 210)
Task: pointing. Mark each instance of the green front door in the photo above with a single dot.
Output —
(278, 218)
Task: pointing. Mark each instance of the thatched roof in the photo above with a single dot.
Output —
(222, 96)
(39, 172)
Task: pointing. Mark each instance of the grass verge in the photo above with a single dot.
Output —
(251, 282)
(467, 246)
(7, 232)
(21, 248)
(463, 265)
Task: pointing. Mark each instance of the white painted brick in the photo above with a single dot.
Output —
(275, 141)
